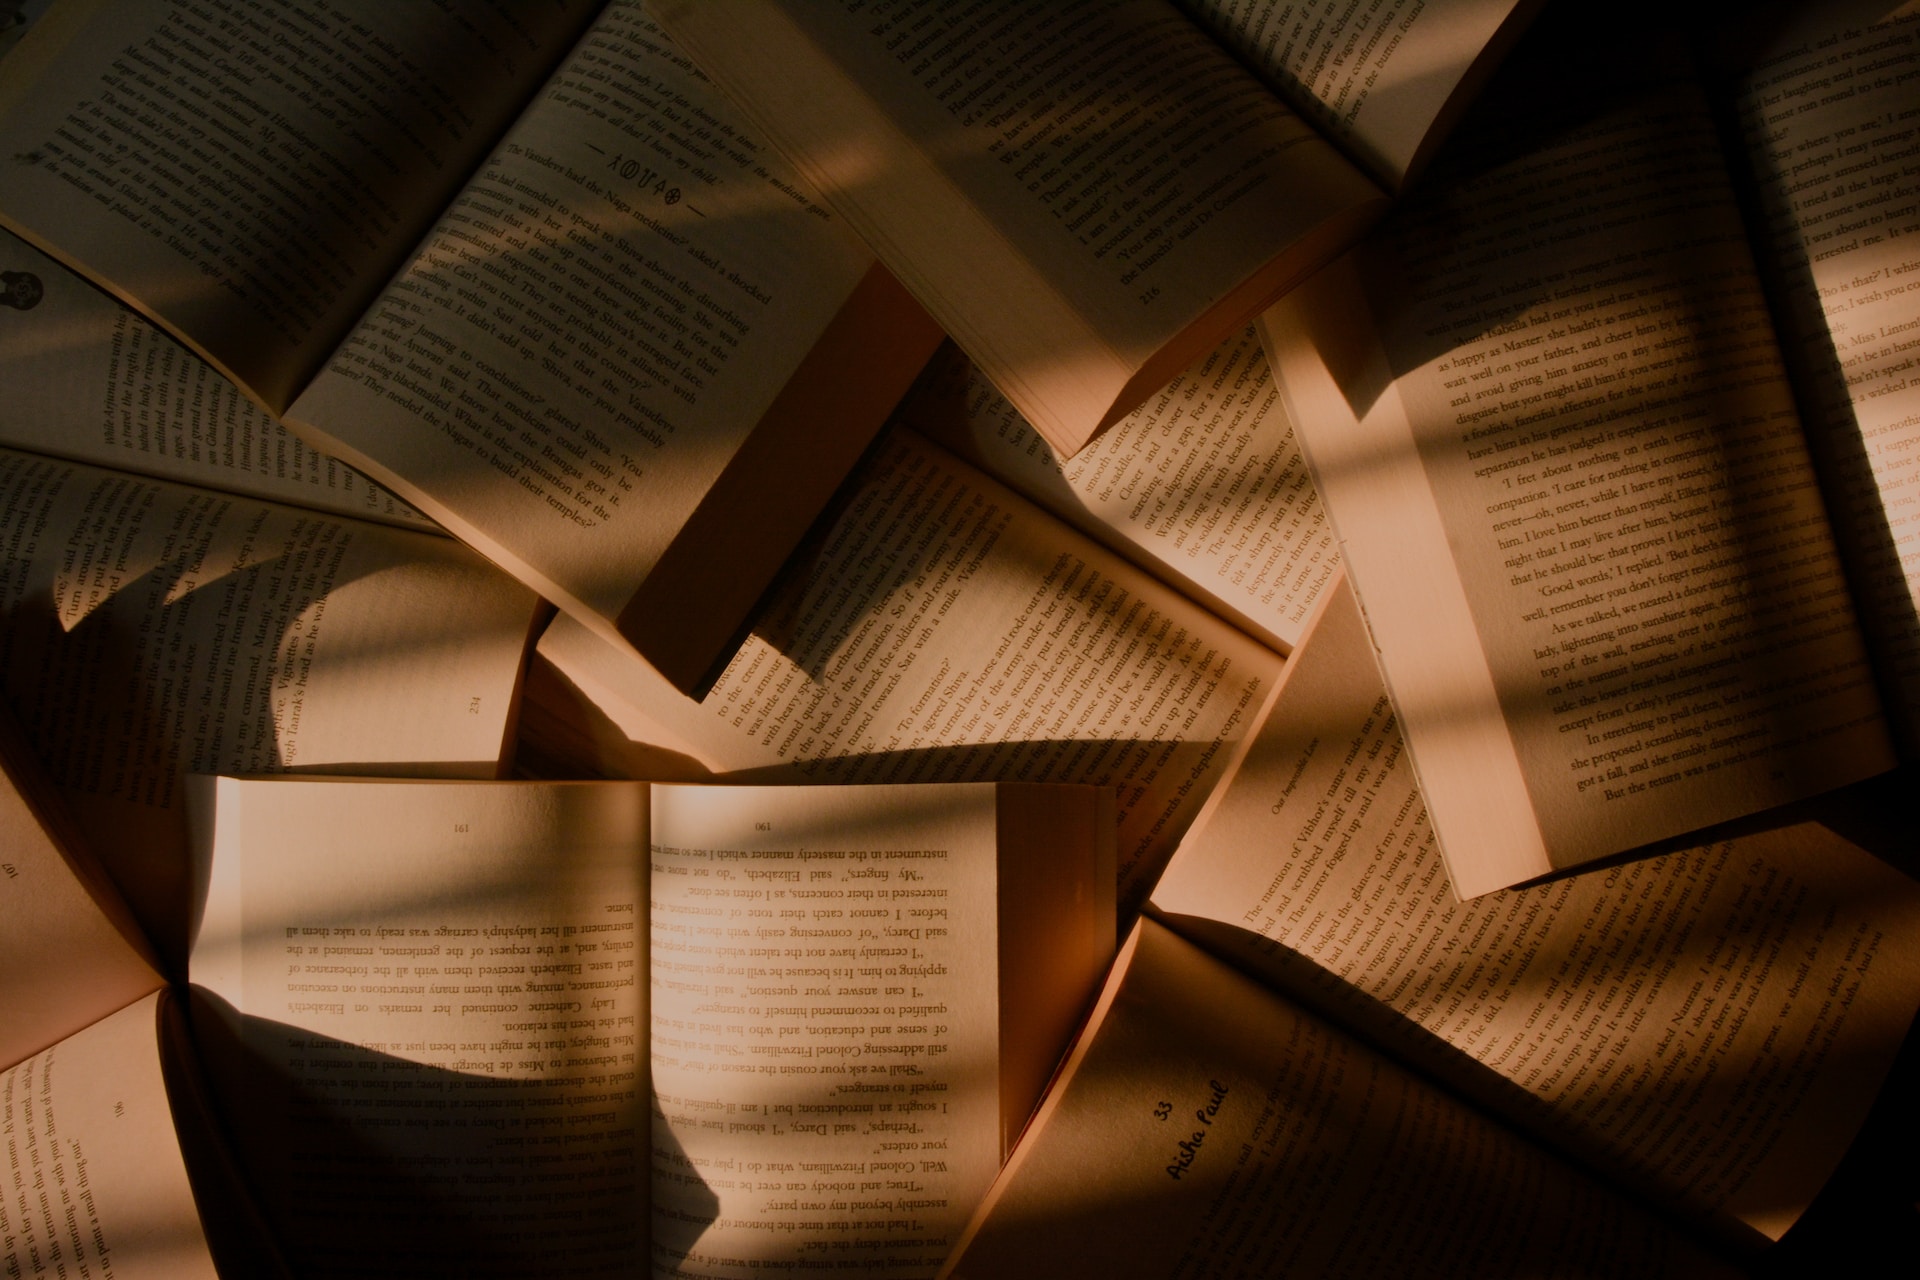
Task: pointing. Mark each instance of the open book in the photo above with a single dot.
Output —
(1550, 420)
(460, 969)
(1704, 1031)
(607, 340)
(440, 1014)
(149, 629)
(1089, 196)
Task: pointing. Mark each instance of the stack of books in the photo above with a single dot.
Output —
(1116, 637)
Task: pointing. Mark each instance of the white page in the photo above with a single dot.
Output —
(1087, 196)
(287, 160)
(589, 335)
(1383, 81)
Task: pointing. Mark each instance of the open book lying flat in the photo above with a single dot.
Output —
(428, 1043)
(439, 1014)
(1550, 419)
(608, 339)
(1088, 196)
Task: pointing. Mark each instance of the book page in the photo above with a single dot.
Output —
(1205, 1127)
(93, 381)
(151, 630)
(154, 134)
(426, 1019)
(1381, 81)
(1708, 1026)
(592, 333)
(94, 1183)
(1087, 196)
(1203, 486)
(944, 630)
(1829, 124)
(1601, 581)
(826, 1025)
(70, 953)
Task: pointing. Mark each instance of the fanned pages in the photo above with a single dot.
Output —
(1141, 669)
(152, 629)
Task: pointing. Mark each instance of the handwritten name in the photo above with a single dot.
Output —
(1189, 1148)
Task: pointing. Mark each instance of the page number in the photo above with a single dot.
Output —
(763, 826)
